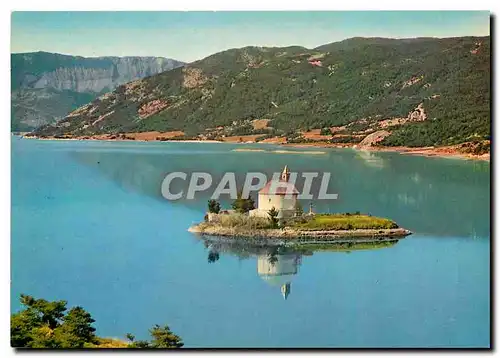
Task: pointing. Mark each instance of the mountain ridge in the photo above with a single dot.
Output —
(422, 91)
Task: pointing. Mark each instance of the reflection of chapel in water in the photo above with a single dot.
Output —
(278, 270)
(277, 266)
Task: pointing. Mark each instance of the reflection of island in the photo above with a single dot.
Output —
(278, 265)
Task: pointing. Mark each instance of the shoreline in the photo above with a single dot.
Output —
(450, 152)
(303, 236)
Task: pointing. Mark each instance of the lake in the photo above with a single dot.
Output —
(89, 225)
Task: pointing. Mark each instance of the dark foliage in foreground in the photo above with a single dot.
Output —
(45, 324)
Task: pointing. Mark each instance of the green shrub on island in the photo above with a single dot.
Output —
(273, 217)
(213, 206)
(45, 324)
(344, 222)
(242, 205)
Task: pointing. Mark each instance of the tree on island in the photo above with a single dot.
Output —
(273, 217)
(299, 211)
(242, 205)
(44, 324)
(213, 206)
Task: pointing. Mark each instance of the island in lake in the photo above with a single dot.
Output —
(279, 217)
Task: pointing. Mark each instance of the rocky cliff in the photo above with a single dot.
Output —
(46, 86)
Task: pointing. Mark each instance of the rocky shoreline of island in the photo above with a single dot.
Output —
(301, 236)
(452, 151)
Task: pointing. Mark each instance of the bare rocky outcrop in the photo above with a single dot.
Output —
(260, 124)
(391, 122)
(80, 110)
(337, 129)
(106, 76)
(316, 56)
(418, 114)
(102, 117)
(193, 77)
(132, 87)
(476, 48)
(206, 94)
(374, 138)
(152, 107)
(412, 81)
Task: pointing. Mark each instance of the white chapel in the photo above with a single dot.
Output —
(279, 194)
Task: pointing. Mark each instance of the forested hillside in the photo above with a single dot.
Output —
(414, 92)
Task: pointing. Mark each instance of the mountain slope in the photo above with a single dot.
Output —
(46, 86)
(422, 91)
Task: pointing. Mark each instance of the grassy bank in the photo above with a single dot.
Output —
(344, 222)
(240, 221)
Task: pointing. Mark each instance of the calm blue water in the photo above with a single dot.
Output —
(89, 226)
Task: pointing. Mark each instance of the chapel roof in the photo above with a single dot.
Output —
(279, 188)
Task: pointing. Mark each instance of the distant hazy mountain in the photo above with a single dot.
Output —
(47, 86)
